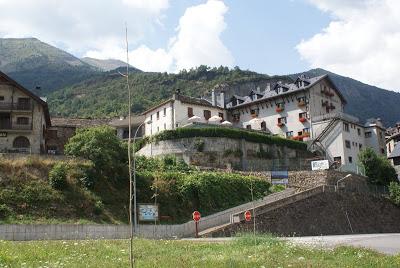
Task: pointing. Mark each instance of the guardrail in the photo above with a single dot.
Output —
(15, 106)
(336, 115)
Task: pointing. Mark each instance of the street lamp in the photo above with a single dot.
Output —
(345, 177)
(134, 174)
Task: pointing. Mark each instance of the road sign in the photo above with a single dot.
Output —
(196, 216)
(280, 177)
(320, 165)
(148, 212)
(247, 215)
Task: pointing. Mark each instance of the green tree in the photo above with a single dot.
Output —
(102, 146)
(377, 168)
(394, 192)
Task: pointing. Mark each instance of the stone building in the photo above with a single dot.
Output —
(24, 118)
(62, 129)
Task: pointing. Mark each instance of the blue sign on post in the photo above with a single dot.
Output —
(280, 177)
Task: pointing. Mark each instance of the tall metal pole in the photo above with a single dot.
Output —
(134, 176)
(131, 257)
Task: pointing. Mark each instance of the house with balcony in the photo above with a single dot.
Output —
(24, 118)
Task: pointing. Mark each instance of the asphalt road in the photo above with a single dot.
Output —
(384, 243)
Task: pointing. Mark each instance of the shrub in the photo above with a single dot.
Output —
(394, 192)
(377, 168)
(102, 147)
(5, 211)
(199, 144)
(98, 207)
(84, 174)
(223, 133)
(58, 176)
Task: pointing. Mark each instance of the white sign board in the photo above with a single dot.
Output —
(320, 165)
(148, 212)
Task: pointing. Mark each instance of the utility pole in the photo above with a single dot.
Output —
(131, 257)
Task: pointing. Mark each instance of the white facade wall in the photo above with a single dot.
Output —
(175, 115)
(355, 140)
(377, 139)
(317, 97)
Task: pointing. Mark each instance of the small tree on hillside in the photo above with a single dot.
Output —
(102, 146)
(377, 168)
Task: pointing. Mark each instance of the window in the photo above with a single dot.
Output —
(158, 115)
(1, 98)
(248, 127)
(306, 130)
(165, 111)
(281, 121)
(190, 112)
(263, 126)
(348, 144)
(382, 150)
(254, 112)
(338, 159)
(360, 146)
(236, 117)
(346, 127)
(24, 103)
(289, 134)
(359, 131)
(222, 116)
(396, 161)
(302, 115)
(158, 129)
(151, 117)
(207, 114)
(165, 126)
(21, 142)
(368, 134)
(22, 120)
(350, 159)
(390, 148)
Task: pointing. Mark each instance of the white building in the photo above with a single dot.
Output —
(175, 112)
(309, 110)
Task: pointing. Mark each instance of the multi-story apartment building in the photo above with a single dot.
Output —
(309, 110)
(24, 118)
(175, 112)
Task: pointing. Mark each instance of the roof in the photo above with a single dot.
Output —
(30, 94)
(395, 152)
(122, 122)
(291, 88)
(78, 122)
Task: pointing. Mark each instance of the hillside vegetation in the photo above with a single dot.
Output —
(106, 96)
(34, 63)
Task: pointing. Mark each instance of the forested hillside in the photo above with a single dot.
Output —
(106, 96)
(36, 64)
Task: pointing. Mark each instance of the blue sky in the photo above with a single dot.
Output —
(355, 38)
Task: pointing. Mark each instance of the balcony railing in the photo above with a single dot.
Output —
(15, 106)
(9, 126)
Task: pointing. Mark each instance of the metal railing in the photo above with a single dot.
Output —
(9, 126)
(340, 115)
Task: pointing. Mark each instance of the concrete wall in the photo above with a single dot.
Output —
(223, 153)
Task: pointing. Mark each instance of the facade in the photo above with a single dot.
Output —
(62, 129)
(176, 111)
(122, 126)
(393, 147)
(24, 118)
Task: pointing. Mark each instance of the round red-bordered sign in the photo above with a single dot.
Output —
(196, 216)
(247, 215)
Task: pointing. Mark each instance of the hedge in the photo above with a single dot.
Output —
(219, 132)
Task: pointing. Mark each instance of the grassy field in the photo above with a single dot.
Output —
(242, 252)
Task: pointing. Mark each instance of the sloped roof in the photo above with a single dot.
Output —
(395, 152)
(30, 94)
(135, 121)
(78, 122)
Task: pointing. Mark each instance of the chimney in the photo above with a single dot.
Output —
(213, 101)
(222, 99)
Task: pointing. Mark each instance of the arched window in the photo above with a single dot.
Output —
(21, 142)
(263, 126)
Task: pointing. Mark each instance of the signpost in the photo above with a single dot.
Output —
(280, 177)
(320, 165)
(196, 217)
(247, 215)
(148, 212)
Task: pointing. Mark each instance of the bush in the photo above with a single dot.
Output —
(98, 207)
(102, 147)
(377, 168)
(221, 132)
(85, 175)
(394, 192)
(58, 176)
(5, 211)
(199, 144)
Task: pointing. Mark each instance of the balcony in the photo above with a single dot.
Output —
(303, 119)
(9, 126)
(8, 106)
(301, 103)
(279, 109)
(280, 124)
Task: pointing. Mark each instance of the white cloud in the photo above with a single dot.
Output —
(362, 42)
(196, 42)
(77, 25)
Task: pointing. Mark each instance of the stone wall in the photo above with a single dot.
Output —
(227, 153)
